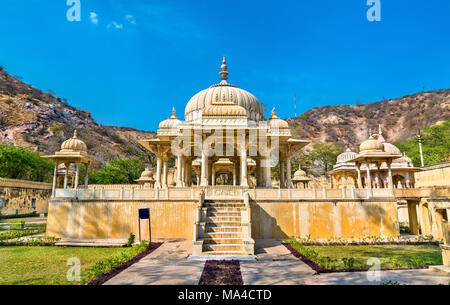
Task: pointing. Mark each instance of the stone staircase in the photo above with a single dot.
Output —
(222, 229)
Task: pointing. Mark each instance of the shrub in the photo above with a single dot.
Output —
(131, 240)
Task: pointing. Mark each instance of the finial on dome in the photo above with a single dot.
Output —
(75, 134)
(274, 115)
(224, 73)
(174, 113)
(379, 130)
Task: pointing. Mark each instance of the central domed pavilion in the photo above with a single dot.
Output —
(224, 133)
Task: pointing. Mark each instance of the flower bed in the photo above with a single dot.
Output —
(221, 273)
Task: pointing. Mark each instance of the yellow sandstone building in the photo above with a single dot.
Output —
(223, 197)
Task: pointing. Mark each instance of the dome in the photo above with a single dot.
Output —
(346, 156)
(371, 145)
(74, 144)
(404, 159)
(224, 109)
(223, 92)
(170, 123)
(277, 123)
(300, 173)
(147, 174)
(392, 149)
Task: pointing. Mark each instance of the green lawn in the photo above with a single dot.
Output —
(390, 256)
(48, 265)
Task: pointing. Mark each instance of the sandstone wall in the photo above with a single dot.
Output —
(18, 196)
(324, 219)
(117, 219)
(97, 219)
(436, 175)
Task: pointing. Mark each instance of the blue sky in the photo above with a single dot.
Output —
(131, 61)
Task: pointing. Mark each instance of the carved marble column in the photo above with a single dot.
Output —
(179, 171)
(369, 178)
(204, 169)
(165, 169)
(358, 171)
(288, 171)
(158, 173)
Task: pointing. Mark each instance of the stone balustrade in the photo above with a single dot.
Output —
(132, 192)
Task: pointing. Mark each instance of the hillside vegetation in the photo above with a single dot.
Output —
(35, 119)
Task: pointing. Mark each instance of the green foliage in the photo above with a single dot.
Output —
(435, 145)
(107, 265)
(118, 172)
(354, 257)
(130, 241)
(325, 154)
(34, 214)
(21, 163)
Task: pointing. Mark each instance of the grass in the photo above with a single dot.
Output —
(11, 234)
(355, 257)
(48, 265)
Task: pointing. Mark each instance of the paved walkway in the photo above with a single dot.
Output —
(168, 265)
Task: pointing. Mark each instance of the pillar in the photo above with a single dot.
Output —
(204, 170)
(412, 216)
(77, 176)
(288, 172)
(213, 175)
(391, 183)
(358, 171)
(65, 175)
(369, 178)
(86, 176)
(158, 173)
(54, 180)
(282, 173)
(179, 171)
(165, 168)
(244, 181)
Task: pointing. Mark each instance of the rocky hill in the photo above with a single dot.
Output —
(400, 119)
(30, 117)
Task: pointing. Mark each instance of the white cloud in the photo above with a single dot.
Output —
(130, 19)
(94, 17)
(116, 25)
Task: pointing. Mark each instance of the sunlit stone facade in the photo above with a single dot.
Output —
(224, 140)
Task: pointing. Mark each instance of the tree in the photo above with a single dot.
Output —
(21, 163)
(325, 154)
(118, 172)
(435, 145)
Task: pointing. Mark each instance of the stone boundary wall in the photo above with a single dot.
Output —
(435, 175)
(19, 196)
(4, 182)
(117, 219)
(324, 219)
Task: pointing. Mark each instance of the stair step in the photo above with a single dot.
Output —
(223, 209)
(223, 213)
(223, 247)
(223, 223)
(224, 229)
(223, 253)
(218, 241)
(222, 235)
(224, 218)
